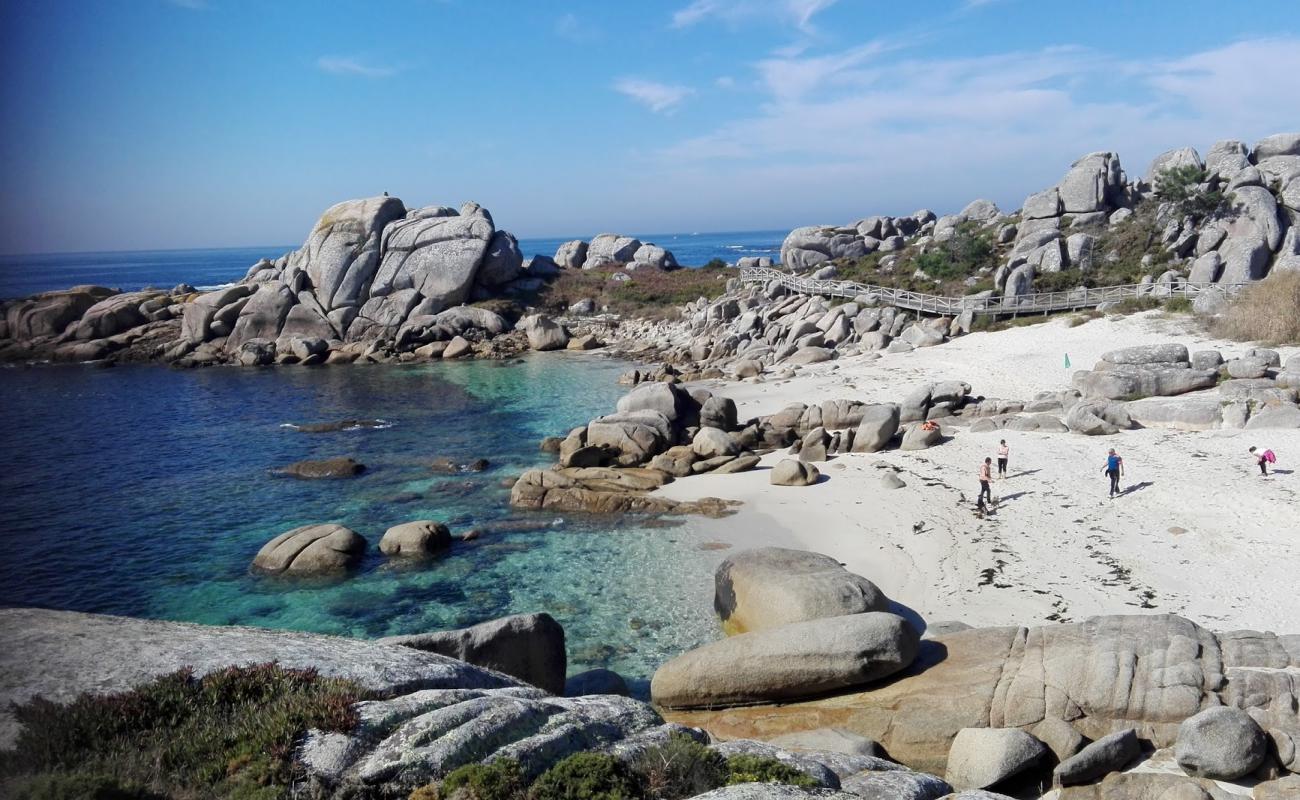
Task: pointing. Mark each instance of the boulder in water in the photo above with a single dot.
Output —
(311, 550)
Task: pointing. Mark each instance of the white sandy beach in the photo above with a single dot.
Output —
(1198, 531)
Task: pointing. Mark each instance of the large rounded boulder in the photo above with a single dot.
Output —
(772, 586)
(802, 659)
(792, 472)
(418, 539)
(981, 757)
(1220, 743)
(311, 550)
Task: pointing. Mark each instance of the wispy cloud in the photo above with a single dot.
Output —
(998, 125)
(658, 97)
(789, 77)
(574, 29)
(724, 82)
(192, 5)
(798, 13)
(346, 65)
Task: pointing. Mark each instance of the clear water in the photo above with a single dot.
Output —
(147, 491)
(23, 275)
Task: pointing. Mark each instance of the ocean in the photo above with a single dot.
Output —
(146, 491)
(22, 275)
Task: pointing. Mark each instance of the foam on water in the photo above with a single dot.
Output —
(146, 491)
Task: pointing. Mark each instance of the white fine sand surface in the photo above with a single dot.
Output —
(1198, 532)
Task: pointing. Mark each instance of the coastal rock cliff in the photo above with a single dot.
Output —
(373, 278)
(1228, 218)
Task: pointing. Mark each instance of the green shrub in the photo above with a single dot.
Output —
(1133, 305)
(1179, 305)
(586, 776)
(1062, 281)
(229, 734)
(715, 263)
(760, 769)
(1183, 187)
(680, 768)
(499, 780)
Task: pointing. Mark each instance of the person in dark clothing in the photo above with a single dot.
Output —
(1114, 469)
(986, 478)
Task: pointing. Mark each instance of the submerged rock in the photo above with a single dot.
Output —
(339, 467)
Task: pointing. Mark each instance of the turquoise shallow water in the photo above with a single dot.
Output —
(147, 491)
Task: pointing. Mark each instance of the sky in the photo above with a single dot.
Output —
(152, 124)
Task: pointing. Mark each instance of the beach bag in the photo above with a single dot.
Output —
(1269, 457)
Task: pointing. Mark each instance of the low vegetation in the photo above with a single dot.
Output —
(647, 293)
(960, 265)
(675, 770)
(1268, 311)
(1185, 187)
(230, 734)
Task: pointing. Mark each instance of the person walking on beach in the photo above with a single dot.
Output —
(986, 477)
(1004, 453)
(1263, 460)
(1114, 469)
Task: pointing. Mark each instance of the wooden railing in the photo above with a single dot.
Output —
(1037, 302)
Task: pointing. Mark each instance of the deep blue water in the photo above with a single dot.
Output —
(22, 275)
(147, 491)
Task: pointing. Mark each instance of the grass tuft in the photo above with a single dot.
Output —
(1268, 312)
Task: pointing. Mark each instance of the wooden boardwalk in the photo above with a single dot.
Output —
(1035, 303)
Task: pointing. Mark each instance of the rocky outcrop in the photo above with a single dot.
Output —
(604, 490)
(529, 647)
(60, 654)
(311, 550)
(1015, 677)
(416, 739)
(772, 586)
(372, 281)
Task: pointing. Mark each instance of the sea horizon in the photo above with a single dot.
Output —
(25, 274)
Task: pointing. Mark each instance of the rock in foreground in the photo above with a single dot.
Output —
(802, 659)
(60, 654)
(527, 646)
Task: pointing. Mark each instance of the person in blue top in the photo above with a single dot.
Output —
(1114, 469)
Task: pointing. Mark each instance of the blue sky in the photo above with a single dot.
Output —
(132, 124)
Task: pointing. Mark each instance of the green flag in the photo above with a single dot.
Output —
(1067, 360)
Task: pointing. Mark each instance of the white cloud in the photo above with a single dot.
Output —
(658, 97)
(724, 82)
(789, 77)
(574, 29)
(697, 11)
(866, 134)
(344, 65)
(798, 13)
